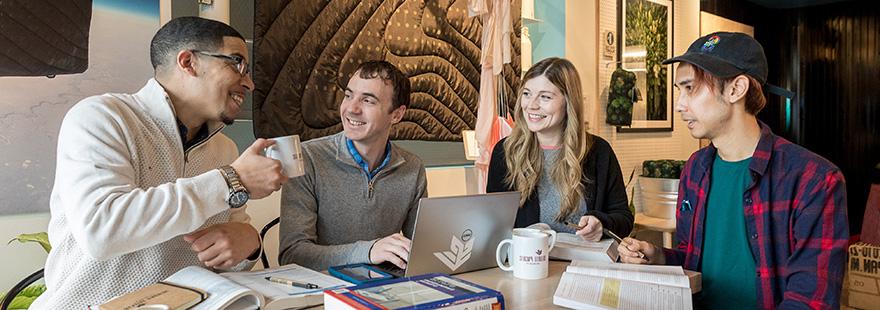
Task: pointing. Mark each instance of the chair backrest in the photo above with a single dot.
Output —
(24, 283)
(263, 232)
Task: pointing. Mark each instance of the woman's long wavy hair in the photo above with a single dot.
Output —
(524, 155)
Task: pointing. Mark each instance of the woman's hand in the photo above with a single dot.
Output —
(590, 228)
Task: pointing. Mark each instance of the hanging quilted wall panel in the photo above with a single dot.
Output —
(44, 37)
(107, 41)
(305, 49)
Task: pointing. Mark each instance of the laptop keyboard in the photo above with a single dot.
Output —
(391, 269)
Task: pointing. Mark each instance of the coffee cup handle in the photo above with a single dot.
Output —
(270, 150)
(552, 239)
(498, 255)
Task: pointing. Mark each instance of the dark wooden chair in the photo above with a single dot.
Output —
(21, 285)
(263, 232)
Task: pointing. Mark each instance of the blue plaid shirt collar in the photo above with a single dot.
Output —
(363, 163)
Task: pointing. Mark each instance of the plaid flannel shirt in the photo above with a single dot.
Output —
(796, 220)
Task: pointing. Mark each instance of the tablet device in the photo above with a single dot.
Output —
(359, 273)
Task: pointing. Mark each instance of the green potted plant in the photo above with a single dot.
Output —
(621, 94)
(27, 296)
(658, 187)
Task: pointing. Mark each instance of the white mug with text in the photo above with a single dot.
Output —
(288, 151)
(528, 253)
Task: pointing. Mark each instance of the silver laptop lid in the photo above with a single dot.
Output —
(460, 233)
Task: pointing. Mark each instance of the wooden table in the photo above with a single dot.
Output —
(519, 293)
(533, 294)
(537, 294)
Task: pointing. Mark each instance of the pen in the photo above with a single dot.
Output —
(609, 234)
(292, 283)
(619, 240)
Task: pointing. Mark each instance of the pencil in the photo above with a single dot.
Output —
(284, 281)
(619, 240)
(611, 235)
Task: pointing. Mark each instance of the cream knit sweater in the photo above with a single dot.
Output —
(125, 193)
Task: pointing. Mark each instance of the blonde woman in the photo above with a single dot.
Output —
(566, 175)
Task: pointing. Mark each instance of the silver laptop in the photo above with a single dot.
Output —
(460, 233)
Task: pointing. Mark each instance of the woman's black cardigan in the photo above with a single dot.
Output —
(604, 191)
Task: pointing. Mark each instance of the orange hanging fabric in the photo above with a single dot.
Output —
(495, 52)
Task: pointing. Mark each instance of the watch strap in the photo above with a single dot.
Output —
(232, 179)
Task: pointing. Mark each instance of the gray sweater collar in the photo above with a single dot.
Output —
(344, 156)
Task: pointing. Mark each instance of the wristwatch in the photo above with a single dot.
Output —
(238, 195)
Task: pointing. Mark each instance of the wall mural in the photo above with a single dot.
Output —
(33, 107)
(305, 49)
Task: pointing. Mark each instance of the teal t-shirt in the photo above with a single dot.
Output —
(728, 265)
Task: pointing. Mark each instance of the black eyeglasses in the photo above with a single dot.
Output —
(238, 62)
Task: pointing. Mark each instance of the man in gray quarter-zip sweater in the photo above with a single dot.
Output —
(359, 191)
(138, 194)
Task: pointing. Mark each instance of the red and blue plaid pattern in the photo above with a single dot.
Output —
(796, 220)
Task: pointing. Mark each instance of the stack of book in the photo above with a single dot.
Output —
(572, 247)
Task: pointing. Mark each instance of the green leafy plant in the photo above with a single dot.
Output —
(27, 296)
(41, 238)
(632, 190)
(646, 24)
(664, 168)
(620, 98)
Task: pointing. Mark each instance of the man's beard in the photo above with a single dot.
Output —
(226, 119)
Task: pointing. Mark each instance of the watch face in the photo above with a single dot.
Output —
(238, 199)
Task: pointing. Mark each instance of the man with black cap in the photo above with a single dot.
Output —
(762, 218)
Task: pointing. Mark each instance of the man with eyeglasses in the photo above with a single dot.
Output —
(146, 184)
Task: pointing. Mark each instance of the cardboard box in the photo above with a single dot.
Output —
(870, 233)
(864, 276)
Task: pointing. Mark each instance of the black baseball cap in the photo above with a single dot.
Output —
(726, 54)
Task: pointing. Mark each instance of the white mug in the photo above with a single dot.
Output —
(530, 249)
(288, 151)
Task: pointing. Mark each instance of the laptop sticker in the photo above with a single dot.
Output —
(459, 250)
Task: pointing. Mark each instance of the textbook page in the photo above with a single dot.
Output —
(222, 293)
(590, 292)
(664, 275)
(279, 296)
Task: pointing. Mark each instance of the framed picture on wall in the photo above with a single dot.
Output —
(645, 41)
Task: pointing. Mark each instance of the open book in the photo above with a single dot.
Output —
(594, 285)
(251, 290)
(572, 247)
